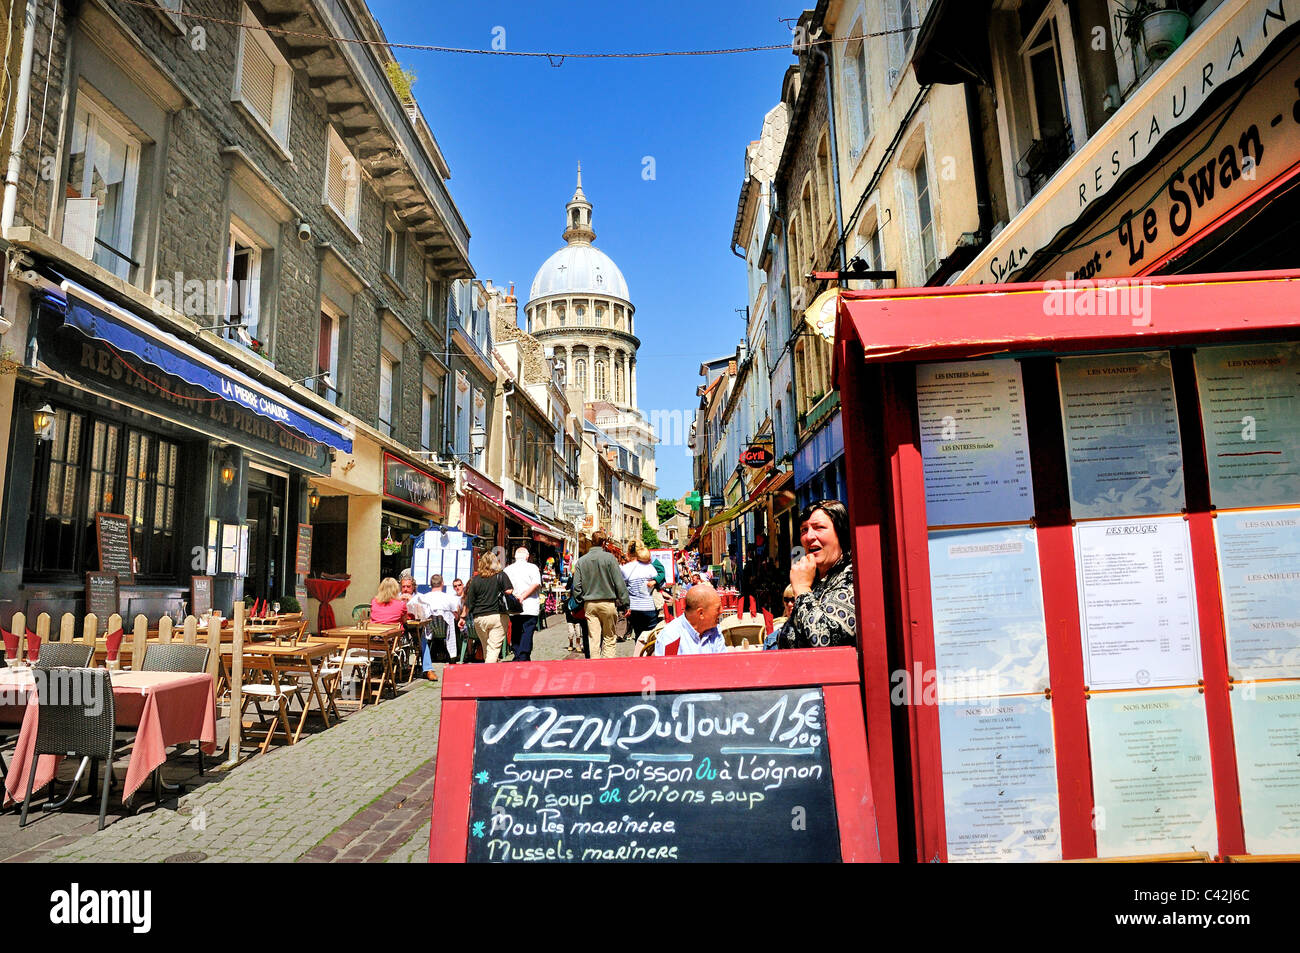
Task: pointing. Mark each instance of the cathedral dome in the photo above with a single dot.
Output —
(579, 269)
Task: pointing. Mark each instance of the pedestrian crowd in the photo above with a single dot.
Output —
(503, 606)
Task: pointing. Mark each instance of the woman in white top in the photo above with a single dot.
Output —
(641, 576)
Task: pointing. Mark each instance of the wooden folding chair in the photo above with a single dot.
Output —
(273, 689)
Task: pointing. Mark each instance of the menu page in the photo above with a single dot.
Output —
(1259, 572)
(1250, 403)
(990, 637)
(999, 781)
(1152, 788)
(706, 776)
(973, 442)
(1137, 603)
(1122, 446)
(1266, 725)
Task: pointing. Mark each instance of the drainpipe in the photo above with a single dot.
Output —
(22, 97)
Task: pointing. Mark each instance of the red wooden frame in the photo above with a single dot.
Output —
(882, 335)
(835, 671)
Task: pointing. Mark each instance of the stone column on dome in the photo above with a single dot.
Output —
(632, 393)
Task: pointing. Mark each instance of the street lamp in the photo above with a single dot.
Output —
(43, 422)
(477, 439)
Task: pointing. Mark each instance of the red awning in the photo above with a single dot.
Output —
(539, 529)
(956, 323)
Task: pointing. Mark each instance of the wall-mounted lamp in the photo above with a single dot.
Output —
(227, 472)
(313, 499)
(43, 422)
(477, 438)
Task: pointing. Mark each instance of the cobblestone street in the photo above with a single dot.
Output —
(360, 791)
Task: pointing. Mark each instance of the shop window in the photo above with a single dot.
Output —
(91, 466)
(263, 81)
(341, 181)
(99, 210)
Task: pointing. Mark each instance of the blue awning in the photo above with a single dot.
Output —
(97, 318)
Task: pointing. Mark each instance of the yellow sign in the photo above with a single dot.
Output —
(820, 316)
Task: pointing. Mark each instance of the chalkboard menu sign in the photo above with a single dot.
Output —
(200, 595)
(113, 534)
(302, 561)
(102, 597)
(699, 776)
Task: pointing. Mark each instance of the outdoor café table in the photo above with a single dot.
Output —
(382, 636)
(165, 708)
(305, 656)
(272, 629)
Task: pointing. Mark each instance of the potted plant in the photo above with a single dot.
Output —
(290, 604)
(1159, 29)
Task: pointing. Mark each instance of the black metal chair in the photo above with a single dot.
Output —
(65, 655)
(175, 657)
(76, 719)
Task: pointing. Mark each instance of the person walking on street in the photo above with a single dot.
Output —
(526, 582)
(485, 601)
(641, 585)
(599, 585)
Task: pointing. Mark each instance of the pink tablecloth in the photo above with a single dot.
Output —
(166, 708)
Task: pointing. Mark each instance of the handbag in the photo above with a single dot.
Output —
(510, 603)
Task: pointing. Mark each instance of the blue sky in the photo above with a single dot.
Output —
(514, 129)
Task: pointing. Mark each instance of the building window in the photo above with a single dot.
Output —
(580, 373)
(602, 382)
(386, 372)
(99, 214)
(341, 181)
(327, 353)
(925, 218)
(810, 221)
(430, 295)
(826, 179)
(427, 404)
(90, 467)
(243, 289)
(857, 94)
(901, 22)
(263, 81)
(393, 252)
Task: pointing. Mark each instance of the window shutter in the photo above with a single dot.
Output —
(337, 187)
(894, 22)
(257, 80)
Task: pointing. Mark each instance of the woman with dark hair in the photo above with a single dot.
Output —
(825, 604)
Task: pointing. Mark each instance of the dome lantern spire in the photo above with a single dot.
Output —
(578, 228)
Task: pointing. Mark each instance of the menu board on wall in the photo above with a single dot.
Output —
(1259, 574)
(1266, 726)
(1152, 788)
(1137, 603)
(302, 555)
(113, 535)
(990, 637)
(102, 597)
(999, 781)
(1250, 405)
(973, 442)
(1122, 446)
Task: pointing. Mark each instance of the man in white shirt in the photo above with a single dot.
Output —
(426, 607)
(526, 581)
(694, 632)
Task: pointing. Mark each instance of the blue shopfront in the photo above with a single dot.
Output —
(207, 464)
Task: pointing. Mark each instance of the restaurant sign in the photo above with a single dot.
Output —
(414, 486)
(757, 455)
(1221, 49)
(1239, 150)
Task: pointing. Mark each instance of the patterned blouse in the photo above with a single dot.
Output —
(825, 616)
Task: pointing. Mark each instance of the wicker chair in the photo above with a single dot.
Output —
(176, 657)
(65, 655)
(68, 726)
